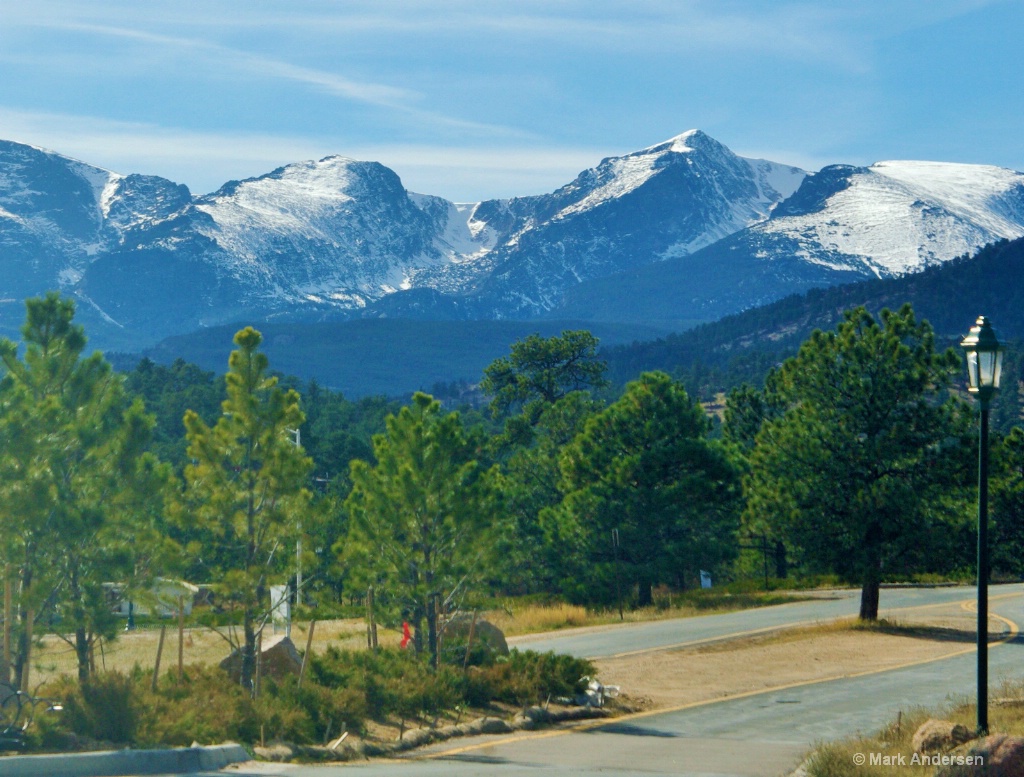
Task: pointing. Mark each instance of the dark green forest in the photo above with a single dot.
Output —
(852, 454)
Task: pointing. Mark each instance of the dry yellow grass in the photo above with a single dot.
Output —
(518, 619)
(201, 645)
(529, 619)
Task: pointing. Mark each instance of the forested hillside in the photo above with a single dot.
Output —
(742, 348)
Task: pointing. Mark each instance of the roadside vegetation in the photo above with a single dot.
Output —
(372, 694)
(566, 501)
(840, 759)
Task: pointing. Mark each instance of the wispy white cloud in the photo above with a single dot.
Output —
(261, 68)
(266, 67)
(206, 160)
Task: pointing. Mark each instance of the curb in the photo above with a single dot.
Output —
(528, 719)
(118, 763)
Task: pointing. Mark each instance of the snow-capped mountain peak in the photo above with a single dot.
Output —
(901, 216)
(339, 236)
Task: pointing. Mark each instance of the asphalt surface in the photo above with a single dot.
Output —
(756, 735)
(607, 641)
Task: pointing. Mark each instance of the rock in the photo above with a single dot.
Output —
(447, 732)
(484, 633)
(494, 726)
(530, 718)
(417, 737)
(280, 657)
(939, 736)
(1002, 756)
(276, 752)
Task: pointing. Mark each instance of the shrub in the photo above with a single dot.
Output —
(528, 677)
(105, 708)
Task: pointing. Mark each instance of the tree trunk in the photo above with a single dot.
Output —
(872, 574)
(81, 635)
(248, 670)
(781, 566)
(432, 628)
(82, 654)
(644, 597)
(869, 600)
(22, 647)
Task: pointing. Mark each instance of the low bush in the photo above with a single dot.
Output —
(343, 689)
(528, 677)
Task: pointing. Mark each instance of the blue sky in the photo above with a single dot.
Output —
(479, 98)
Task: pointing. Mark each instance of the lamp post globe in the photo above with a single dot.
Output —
(984, 360)
(984, 368)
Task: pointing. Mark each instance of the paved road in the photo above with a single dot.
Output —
(617, 639)
(754, 736)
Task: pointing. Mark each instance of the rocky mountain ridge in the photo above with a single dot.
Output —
(687, 219)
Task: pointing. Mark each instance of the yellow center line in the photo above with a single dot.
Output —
(1012, 633)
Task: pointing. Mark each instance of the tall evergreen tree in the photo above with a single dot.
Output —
(644, 468)
(418, 517)
(859, 468)
(541, 370)
(1007, 504)
(78, 492)
(531, 482)
(245, 488)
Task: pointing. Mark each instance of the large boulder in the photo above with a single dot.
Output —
(485, 633)
(279, 658)
(939, 736)
(1001, 755)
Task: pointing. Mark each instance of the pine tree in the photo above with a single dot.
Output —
(860, 466)
(644, 468)
(80, 498)
(418, 517)
(245, 488)
(541, 370)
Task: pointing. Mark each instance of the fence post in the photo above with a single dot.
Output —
(181, 638)
(159, 654)
(305, 656)
(8, 611)
(26, 669)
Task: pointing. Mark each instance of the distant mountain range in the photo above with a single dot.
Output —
(681, 231)
(397, 356)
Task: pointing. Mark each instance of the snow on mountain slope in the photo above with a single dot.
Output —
(335, 230)
(898, 217)
(319, 239)
(664, 201)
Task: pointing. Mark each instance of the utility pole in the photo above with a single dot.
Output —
(298, 539)
(618, 586)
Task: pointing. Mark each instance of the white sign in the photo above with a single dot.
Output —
(705, 579)
(281, 607)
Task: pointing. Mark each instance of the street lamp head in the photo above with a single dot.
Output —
(984, 360)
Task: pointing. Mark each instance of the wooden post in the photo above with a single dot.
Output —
(181, 638)
(259, 665)
(371, 621)
(305, 656)
(26, 669)
(8, 614)
(369, 611)
(159, 653)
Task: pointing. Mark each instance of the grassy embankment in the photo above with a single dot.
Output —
(841, 759)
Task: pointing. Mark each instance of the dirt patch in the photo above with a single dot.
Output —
(669, 678)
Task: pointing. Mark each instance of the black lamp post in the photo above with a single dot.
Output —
(984, 364)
